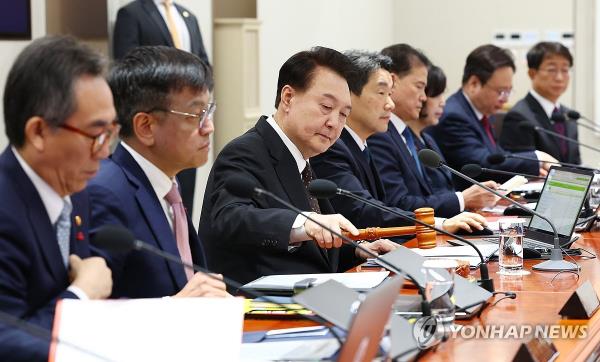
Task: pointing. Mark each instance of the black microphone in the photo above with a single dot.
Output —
(576, 116)
(474, 170)
(242, 187)
(120, 240)
(432, 159)
(322, 188)
(497, 158)
(529, 126)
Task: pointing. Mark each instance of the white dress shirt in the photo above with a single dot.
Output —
(182, 28)
(53, 203)
(546, 104)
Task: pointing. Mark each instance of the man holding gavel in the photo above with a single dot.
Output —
(348, 162)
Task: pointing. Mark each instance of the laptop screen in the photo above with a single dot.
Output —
(561, 199)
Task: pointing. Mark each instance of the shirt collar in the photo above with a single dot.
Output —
(52, 201)
(300, 161)
(478, 114)
(398, 123)
(361, 144)
(547, 105)
(161, 183)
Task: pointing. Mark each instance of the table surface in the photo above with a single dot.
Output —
(540, 295)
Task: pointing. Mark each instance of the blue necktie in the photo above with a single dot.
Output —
(410, 143)
(63, 231)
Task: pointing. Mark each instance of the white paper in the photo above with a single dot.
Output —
(512, 184)
(357, 281)
(163, 329)
(306, 350)
(463, 252)
(531, 186)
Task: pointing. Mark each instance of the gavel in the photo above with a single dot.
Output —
(425, 236)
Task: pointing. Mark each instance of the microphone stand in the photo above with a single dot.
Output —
(556, 262)
(568, 139)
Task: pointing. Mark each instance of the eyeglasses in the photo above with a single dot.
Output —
(206, 113)
(98, 140)
(502, 93)
(555, 71)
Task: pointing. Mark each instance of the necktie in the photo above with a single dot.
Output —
(367, 155)
(487, 126)
(171, 24)
(180, 226)
(307, 177)
(559, 127)
(63, 231)
(410, 143)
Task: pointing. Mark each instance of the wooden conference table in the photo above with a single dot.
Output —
(539, 298)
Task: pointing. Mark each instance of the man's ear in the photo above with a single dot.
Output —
(36, 130)
(143, 125)
(287, 97)
(531, 73)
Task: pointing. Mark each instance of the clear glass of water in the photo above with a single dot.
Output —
(510, 252)
(439, 293)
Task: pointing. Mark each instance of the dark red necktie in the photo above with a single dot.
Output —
(485, 122)
(559, 127)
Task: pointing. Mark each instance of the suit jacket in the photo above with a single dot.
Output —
(140, 23)
(121, 194)
(247, 238)
(440, 179)
(514, 138)
(463, 140)
(32, 274)
(346, 165)
(406, 188)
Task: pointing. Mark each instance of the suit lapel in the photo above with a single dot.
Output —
(185, 15)
(366, 172)
(543, 120)
(478, 127)
(286, 170)
(154, 14)
(79, 225)
(407, 157)
(39, 220)
(152, 210)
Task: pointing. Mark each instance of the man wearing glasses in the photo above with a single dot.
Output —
(59, 119)
(162, 100)
(549, 70)
(465, 133)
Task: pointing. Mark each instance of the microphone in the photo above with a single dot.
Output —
(243, 187)
(528, 127)
(325, 189)
(556, 263)
(576, 116)
(474, 170)
(497, 158)
(120, 240)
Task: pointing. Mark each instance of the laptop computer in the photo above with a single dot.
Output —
(561, 200)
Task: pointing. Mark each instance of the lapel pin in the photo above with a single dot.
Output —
(78, 220)
(186, 14)
(80, 236)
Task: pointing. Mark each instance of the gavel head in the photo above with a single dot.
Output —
(426, 237)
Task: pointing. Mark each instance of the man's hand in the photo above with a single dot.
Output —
(466, 221)
(324, 238)
(202, 285)
(91, 275)
(477, 198)
(547, 162)
(377, 247)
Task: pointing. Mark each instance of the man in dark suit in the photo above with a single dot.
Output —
(549, 70)
(465, 133)
(348, 162)
(156, 22)
(406, 180)
(59, 118)
(250, 237)
(166, 125)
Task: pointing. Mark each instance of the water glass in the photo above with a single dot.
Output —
(439, 293)
(510, 252)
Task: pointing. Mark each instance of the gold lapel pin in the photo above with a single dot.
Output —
(186, 14)
(78, 220)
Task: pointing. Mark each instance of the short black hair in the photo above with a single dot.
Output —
(40, 83)
(537, 54)
(404, 58)
(364, 63)
(145, 78)
(298, 70)
(485, 60)
(436, 85)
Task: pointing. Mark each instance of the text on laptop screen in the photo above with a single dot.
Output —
(561, 200)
